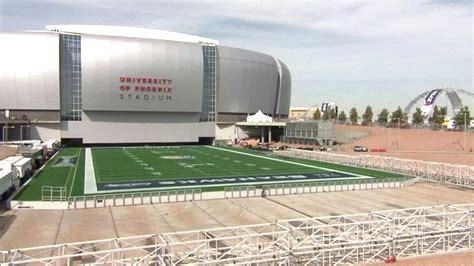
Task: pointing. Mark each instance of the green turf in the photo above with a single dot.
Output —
(130, 164)
(113, 165)
(56, 176)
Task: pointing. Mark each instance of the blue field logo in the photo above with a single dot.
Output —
(65, 161)
(244, 180)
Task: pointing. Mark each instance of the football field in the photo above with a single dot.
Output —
(97, 170)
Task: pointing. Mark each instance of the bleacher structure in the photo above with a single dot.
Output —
(462, 175)
(329, 240)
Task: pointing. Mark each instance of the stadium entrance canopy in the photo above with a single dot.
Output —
(262, 121)
(259, 117)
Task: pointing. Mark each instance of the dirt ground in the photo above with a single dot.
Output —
(7, 151)
(453, 259)
(27, 228)
(418, 144)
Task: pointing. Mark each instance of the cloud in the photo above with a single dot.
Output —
(351, 52)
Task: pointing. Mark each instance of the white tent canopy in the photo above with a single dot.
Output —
(259, 117)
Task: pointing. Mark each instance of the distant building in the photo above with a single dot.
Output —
(302, 112)
(318, 133)
(107, 84)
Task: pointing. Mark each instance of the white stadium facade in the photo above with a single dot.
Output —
(109, 84)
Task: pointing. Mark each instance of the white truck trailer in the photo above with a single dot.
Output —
(6, 180)
(20, 167)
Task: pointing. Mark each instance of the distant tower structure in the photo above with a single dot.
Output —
(431, 96)
(325, 107)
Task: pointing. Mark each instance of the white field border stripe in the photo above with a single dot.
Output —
(289, 162)
(90, 184)
(75, 170)
(185, 187)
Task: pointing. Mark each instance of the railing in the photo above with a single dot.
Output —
(128, 199)
(141, 198)
(332, 186)
(241, 192)
(461, 175)
(49, 193)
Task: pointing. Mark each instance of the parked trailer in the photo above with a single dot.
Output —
(36, 154)
(24, 168)
(52, 145)
(8, 163)
(20, 167)
(6, 181)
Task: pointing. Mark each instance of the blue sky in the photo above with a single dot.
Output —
(353, 53)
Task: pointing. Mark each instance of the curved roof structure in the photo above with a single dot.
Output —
(129, 32)
(451, 94)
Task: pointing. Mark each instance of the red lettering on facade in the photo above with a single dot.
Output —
(144, 84)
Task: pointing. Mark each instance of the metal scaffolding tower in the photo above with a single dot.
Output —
(330, 240)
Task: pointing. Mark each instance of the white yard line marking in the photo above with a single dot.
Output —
(283, 161)
(75, 170)
(90, 183)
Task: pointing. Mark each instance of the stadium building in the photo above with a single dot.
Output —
(108, 84)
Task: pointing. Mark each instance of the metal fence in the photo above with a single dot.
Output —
(141, 198)
(50, 193)
(461, 175)
(331, 186)
(128, 199)
(241, 192)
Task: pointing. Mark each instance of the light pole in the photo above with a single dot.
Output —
(388, 126)
(389, 140)
(465, 130)
(398, 134)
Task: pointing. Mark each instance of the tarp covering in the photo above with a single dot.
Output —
(259, 117)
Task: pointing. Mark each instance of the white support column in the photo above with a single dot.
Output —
(269, 134)
(262, 134)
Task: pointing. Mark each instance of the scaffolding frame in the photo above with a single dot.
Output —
(328, 240)
(461, 175)
(50, 193)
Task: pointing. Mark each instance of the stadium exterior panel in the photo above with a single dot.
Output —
(107, 84)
